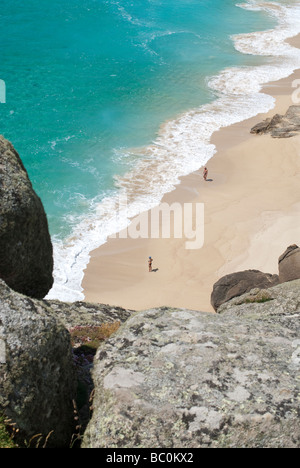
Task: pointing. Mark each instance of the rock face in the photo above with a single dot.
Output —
(176, 378)
(37, 377)
(236, 284)
(87, 314)
(280, 126)
(26, 259)
(289, 264)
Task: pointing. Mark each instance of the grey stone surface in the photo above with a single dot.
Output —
(26, 258)
(239, 283)
(87, 314)
(289, 264)
(176, 378)
(38, 381)
(37, 375)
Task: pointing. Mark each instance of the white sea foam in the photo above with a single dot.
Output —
(183, 145)
(283, 58)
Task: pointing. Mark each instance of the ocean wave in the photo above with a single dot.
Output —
(283, 58)
(183, 145)
(126, 16)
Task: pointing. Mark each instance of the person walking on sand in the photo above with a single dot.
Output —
(205, 173)
(150, 264)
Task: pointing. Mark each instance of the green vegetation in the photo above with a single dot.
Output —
(5, 438)
(90, 337)
(85, 340)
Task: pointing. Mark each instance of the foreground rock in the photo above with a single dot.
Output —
(38, 378)
(289, 264)
(236, 284)
(84, 314)
(37, 375)
(26, 261)
(179, 378)
(280, 126)
(89, 325)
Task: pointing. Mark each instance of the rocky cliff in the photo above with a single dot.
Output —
(38, 377)
(168, 378)
(180, 378)
(26, 261)
(37, 374)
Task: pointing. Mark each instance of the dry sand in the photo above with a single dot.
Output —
(252, 213)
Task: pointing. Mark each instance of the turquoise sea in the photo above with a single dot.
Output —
(106, 97)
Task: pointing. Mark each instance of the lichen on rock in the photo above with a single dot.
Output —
(179, 378)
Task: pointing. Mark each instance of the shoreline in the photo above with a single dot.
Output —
(255, 181)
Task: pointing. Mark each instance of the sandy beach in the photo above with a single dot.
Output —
(252, 208)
